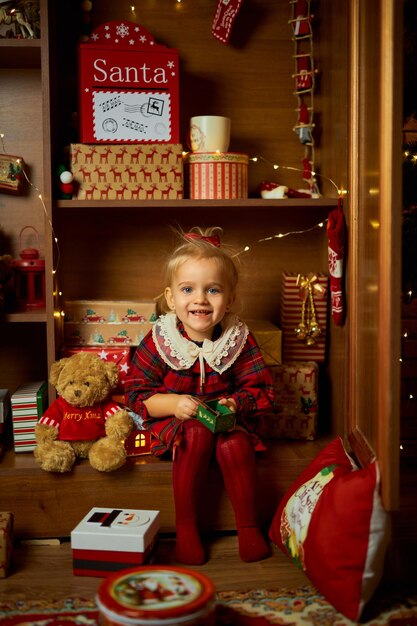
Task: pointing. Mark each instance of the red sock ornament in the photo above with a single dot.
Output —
(336, 233)
(224, 17)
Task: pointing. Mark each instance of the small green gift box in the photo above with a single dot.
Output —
(217, 417)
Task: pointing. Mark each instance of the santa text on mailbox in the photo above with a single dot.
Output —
(128, 87)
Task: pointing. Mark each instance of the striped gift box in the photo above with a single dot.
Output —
(295, 349)
(218, 176)
(28, 404)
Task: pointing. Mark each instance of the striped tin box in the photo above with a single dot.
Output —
(28, 404)
(218, 176)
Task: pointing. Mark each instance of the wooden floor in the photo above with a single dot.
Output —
(40, 571)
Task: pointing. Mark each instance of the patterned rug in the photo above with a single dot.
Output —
(259, 607)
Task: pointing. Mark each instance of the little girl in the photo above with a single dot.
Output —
(200, 350)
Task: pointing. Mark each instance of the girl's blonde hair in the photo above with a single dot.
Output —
(199, 243)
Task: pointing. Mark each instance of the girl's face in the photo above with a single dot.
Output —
(200, 296)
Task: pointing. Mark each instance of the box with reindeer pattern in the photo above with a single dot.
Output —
(127, 171)
(296, 402)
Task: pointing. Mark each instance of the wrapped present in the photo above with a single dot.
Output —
(304, 308)
(128, 87)
(107, 323)
(218, 175)
(28, 403)
(269, 339)
(127, 172)
(121, 356)
(109, 540)
(217, 417)
(6, 542)
(296, 402)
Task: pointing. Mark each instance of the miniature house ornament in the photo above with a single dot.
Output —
(128, 87)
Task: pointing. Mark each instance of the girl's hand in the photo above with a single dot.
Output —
(230, 403)
(186, 408)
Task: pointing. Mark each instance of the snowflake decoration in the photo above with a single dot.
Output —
(142, 39)
(107, 36)
(94, 36)
(170, 64)
(122, 30)
(131, 42)
(103, 355)
(107, 27)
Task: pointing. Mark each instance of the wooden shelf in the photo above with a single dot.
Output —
(26, 316)
(20, 53)
(252, 203)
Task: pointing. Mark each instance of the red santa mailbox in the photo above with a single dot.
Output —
(128, 87)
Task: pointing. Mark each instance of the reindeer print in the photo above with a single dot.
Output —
(120, 155)
(117, 174)
(89, 193)
(89, 155)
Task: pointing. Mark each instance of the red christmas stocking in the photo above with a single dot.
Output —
(236, 458)
(224, 17)
(192, 458)
(336, 247)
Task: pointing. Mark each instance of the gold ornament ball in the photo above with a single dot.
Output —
(86, 5)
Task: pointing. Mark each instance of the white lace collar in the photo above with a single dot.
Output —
(181, 353)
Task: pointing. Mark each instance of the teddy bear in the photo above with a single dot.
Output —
(83, 421)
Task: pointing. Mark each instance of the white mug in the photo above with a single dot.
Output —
(209, 133)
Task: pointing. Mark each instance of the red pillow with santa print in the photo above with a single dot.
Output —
(332, 524)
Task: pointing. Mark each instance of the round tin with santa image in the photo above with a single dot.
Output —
(156, 595)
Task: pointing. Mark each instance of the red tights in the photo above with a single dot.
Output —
(236, 459)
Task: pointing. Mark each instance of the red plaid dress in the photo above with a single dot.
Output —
(167, 361)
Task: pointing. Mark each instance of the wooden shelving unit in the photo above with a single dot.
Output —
(115, 249)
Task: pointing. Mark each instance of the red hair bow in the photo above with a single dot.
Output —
(214, 239)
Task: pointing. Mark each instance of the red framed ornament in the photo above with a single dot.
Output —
(128, 87)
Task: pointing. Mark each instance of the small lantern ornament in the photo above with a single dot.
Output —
(29, 276)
